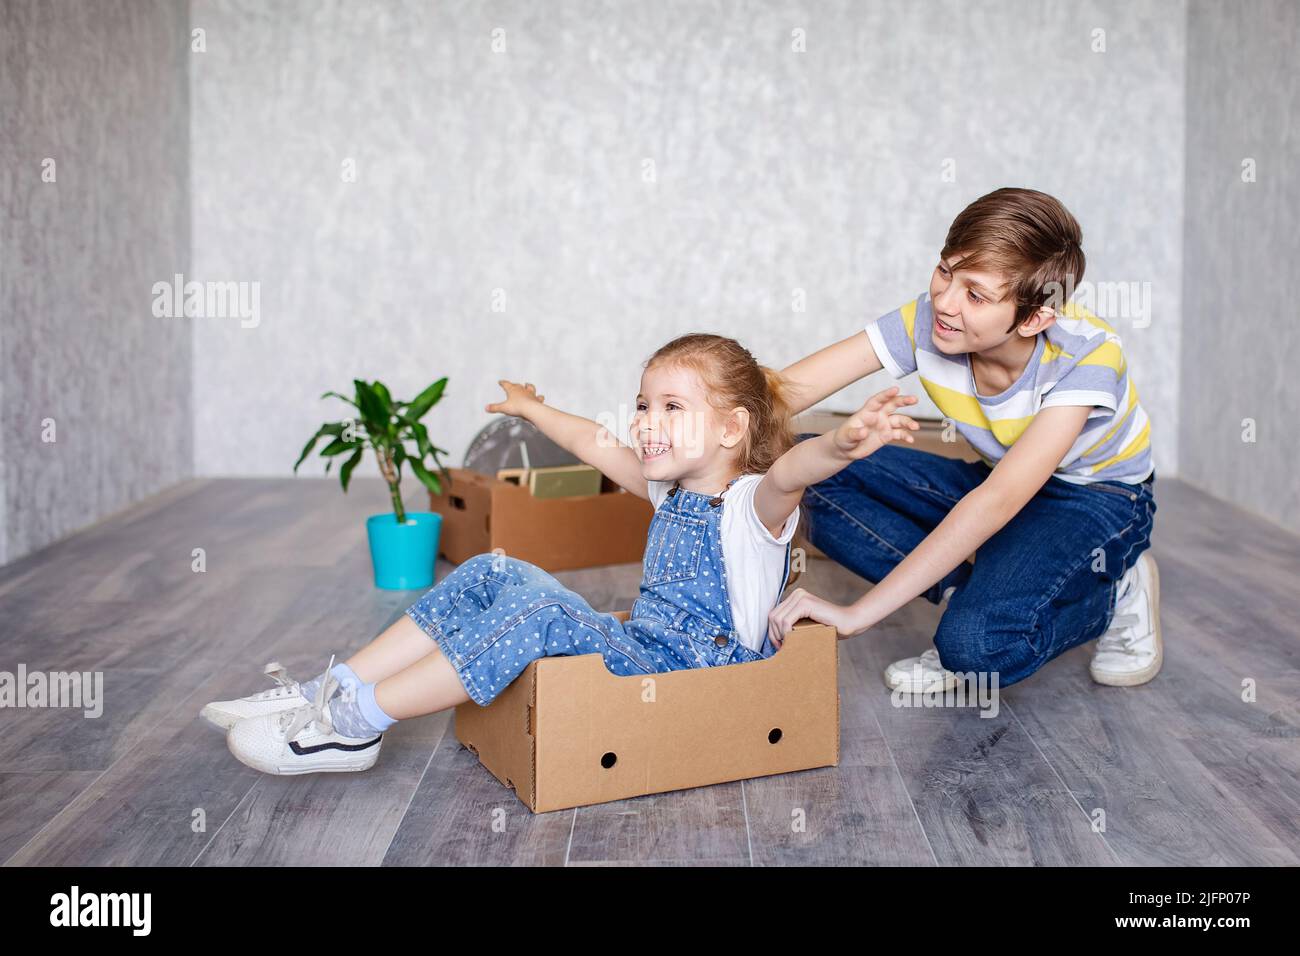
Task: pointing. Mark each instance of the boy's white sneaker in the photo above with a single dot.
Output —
(918, 675)
(1131, 651)
(286, 695)
(302, 740)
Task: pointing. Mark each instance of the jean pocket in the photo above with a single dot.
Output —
(1116, 488)
(674, 549)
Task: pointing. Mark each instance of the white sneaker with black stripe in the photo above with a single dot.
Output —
(286, 695)
(302, 740)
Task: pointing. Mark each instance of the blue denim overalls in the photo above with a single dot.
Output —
(494, 615)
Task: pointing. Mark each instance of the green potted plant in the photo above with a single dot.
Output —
(403, 544)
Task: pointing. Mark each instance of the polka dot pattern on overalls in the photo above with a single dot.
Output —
(494, 615)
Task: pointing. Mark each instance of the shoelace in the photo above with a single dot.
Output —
(293, 721)
(1121, 643)
(277, 672)
(1113, 640)
(930, 656)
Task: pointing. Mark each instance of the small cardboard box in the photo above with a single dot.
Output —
(568, 733)
(481, 514)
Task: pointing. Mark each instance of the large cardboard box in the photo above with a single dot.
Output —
(481, 514)
(568, 733)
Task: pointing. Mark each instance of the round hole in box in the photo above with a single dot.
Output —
(774, 735)
(608, 760)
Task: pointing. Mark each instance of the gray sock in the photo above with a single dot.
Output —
(352, 717)
(342, 673)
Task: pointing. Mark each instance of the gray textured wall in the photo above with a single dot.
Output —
(101, 89)
(522, 171)
(1241, 348)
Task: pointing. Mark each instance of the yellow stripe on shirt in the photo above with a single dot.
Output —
(1007, 430)
(1132, 407)
(1052, 352)
(909, 321)
(1107, 354)
(956, 405)
(1137, 445)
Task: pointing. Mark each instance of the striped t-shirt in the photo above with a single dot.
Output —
(1077, 361)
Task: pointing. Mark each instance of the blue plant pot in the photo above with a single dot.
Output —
(404, 555)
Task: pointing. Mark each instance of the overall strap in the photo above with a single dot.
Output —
(716, 500)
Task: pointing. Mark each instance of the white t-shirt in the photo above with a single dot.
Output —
(755, 560)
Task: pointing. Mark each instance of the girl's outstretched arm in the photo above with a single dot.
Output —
(816, 459)
(591, 442)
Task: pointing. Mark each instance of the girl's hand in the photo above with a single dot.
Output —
(876, 423)
(519, 399)
(800, 604)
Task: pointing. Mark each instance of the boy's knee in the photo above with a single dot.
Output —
(982, 639)
(958, 641)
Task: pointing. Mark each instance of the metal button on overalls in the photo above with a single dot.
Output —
(720, 640)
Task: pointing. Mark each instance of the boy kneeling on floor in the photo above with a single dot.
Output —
(1057, 513)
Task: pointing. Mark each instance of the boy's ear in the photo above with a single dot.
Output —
(733, 430)
(1040, 321)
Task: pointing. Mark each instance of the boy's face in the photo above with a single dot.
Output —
(675, 431)
(973, 310)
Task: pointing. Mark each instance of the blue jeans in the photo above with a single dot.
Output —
(494, 615)
(1044, 583)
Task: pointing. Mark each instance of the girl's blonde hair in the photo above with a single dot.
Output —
(733, 378)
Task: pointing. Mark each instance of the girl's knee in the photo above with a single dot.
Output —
(479, 565)
(497, 565)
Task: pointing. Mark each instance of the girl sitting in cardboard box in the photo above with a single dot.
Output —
(712, 450)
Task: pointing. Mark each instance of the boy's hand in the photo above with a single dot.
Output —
(519, 399)
(876, 423)
(800, 604)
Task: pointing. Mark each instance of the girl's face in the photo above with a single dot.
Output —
(675, 431)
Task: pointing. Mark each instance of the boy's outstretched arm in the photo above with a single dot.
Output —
(983, 512)
(827, 371)
(815, 459)
(590, 441)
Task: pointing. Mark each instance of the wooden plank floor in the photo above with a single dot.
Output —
(1183, 769)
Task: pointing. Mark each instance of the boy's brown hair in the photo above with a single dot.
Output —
(1027, 235)
(732, 378)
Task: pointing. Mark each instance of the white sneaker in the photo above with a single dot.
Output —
(918, 675)
(302, 740)
(224, 714)
(1131, 651)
